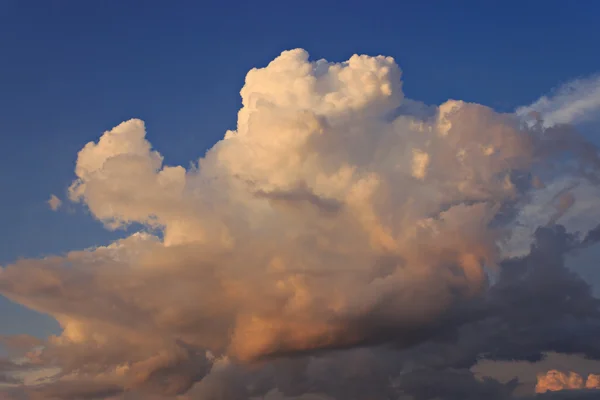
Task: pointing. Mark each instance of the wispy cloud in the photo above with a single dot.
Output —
(574, 102)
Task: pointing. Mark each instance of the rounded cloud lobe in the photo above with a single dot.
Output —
(321, 223)
(555, 380)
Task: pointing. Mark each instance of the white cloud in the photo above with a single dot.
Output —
(317, 224)
(572, 103)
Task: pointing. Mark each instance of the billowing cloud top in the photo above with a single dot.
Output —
(327, 220)
(555, 380)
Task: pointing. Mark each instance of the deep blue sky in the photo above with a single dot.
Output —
(71, 69)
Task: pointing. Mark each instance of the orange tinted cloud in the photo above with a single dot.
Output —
(554, 380)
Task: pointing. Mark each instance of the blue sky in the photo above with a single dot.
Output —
(70, 70)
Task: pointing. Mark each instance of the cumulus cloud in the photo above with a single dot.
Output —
(574, 102)
(343, 242)
(556, 380)
(54, 202)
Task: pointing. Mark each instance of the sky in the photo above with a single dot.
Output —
(71, 71)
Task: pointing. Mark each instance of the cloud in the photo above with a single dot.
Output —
(19, 342)
(556, 380)
(54, 202)
(339, 235)
(77, 390)
(453, 384)
(574, 102)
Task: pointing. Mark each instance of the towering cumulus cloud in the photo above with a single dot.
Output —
(343, 241)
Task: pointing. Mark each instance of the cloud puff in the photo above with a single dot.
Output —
(54, 202)
(556, 380)
(337, 218)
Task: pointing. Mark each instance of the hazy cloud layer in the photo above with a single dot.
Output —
(342, 243)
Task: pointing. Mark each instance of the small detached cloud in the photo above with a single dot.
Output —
(54, 202)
